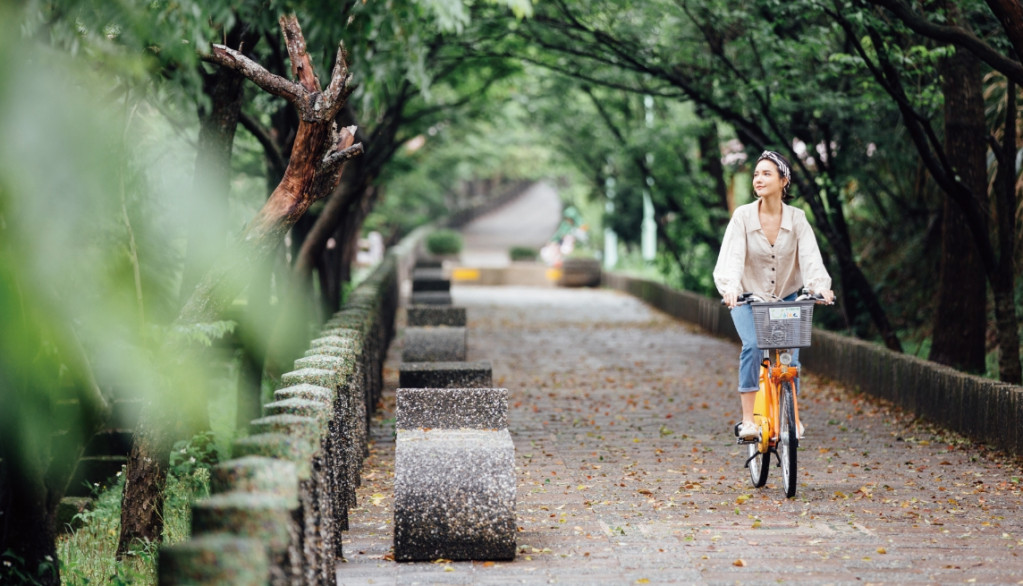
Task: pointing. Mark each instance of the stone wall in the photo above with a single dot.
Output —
(277, 510)
(982, 409)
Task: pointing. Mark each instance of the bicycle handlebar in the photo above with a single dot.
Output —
(805, 295)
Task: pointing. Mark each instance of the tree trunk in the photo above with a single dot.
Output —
(291, 319)
(960, 319)
(710, 162)
(1010, 13)
(314, 168)
(1003, 283)
(349, 246)
(333, 275)
(217, 127)
(145, 478)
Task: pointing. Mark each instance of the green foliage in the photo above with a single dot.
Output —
(87, 554)
(92, 208)
(189, 457)
(444, 242)
(204, 334)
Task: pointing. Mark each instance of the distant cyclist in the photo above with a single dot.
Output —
(769, 249)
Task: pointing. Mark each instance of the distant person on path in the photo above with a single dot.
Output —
(769, 249)
(562, 242)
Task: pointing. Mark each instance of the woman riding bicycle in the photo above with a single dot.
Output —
(769, 249)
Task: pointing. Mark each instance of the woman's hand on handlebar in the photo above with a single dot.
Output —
(730, 300)
(826, 297)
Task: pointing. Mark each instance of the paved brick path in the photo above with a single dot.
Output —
(628, 472)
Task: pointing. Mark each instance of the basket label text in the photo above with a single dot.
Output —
(779, 313)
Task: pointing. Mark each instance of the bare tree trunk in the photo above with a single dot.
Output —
(314, 168)
(299, 294)
(960, 320)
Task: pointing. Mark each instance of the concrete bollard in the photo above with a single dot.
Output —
(435, 315)
(295, 416)
(375, 336)
(305, 391)
(434, 344)
(452, 409)
(257, 474)
(454, 495)
(338, 450)
(442, 375)
(431, 298)
(343, 343)
(429, 279)
(347, 411)
(455, 483)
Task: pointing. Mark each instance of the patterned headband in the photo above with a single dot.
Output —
(777, 160)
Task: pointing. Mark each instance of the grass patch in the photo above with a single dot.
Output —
(87, 555)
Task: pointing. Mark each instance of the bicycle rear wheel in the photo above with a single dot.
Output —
(788, 442)
(758, 464)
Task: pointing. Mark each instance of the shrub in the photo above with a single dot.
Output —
(522, 253)
(444, 242)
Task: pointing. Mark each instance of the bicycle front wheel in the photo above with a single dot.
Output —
(788, 442)
(758, 463)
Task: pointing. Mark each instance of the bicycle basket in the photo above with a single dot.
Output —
(785, 324)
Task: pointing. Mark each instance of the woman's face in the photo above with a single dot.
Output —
(767, 180)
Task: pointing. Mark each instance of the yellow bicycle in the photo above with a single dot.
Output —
(781, 326)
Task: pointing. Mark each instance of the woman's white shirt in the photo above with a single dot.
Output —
(749, 262)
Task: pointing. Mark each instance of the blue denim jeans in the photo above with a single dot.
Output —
(751, 356)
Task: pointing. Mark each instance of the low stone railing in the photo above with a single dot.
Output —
(277, 510)
(984, 410)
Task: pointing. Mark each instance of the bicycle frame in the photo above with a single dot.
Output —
(766, 410)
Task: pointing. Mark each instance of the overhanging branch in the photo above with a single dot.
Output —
(954, 35)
